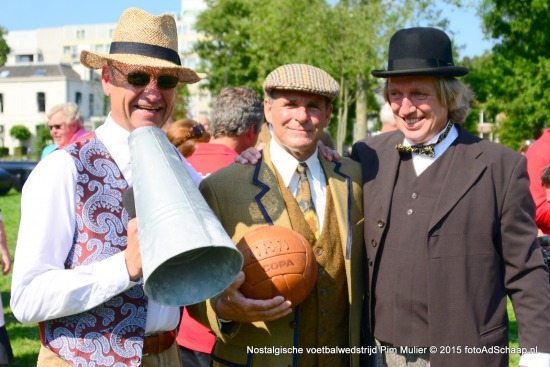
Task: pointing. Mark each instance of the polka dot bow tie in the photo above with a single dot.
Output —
(427, 150)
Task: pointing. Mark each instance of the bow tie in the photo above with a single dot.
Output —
(427, 150)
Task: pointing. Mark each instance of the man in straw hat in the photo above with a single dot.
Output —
(449, 223)
(298, 105)
(78, 265)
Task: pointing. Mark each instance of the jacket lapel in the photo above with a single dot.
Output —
(462, 173)
(340, 189)
(268, 191)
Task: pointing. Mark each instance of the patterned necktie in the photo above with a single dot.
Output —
(305, 201)
(427, 150)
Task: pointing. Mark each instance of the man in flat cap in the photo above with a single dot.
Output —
(449, 224)
(298, 105)
(78, 270)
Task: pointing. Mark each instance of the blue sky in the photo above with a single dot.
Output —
(55, 13)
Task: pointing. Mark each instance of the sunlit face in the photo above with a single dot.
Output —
(61, 130)
(418, 112)
(297, 119)
(137, 106)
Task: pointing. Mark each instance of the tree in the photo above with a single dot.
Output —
(246, 39)
(514, 82)
(4, 48)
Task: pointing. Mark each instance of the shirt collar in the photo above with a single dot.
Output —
(286, 164)
(115, 139)
(439, 148)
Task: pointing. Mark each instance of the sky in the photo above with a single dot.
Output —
(56, 13)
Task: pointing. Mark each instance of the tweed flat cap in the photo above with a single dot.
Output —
(302, 77)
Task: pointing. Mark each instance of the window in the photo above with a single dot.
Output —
(91, 104)
(41, 101)
(1, 103)
(80, 34)
(78, 98)
(24, 58)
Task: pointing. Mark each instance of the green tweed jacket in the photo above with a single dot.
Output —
(245, 197)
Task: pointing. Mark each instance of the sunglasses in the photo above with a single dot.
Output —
(140, 79)
(196, 132)
(57, 126)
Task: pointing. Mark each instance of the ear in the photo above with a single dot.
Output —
(329, 113)
(106, 81)
(267, 110)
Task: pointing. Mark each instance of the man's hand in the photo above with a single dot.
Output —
(132, 253)
(328, 153)
(6, 264)
(233, 305)
(250, 155)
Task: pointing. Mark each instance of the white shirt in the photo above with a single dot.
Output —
(42, 288)
(421, 162)
(286, 164)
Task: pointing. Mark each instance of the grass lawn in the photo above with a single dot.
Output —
(25, 339)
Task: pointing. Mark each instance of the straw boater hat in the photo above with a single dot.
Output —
(302, 77)
(144, 39)
(420, 51)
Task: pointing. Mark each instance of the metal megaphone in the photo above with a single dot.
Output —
(187, 257)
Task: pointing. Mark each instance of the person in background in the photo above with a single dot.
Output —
(538, 158)
(202, 119)
(6, 352)
(387, 119)
(545, 181)
(236, 120)
(66, 126)
(321, 200)
(525, 146)
(449, 223)
(185, 135)
(78, 269)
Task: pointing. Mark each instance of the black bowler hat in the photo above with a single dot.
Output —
(420, 51)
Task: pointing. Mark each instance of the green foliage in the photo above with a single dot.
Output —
(20, 132)
(511, 83)
(246, 39)
(4, 48)
(43, 138)
(181, 104)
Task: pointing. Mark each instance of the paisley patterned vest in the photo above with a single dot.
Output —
(110, 334)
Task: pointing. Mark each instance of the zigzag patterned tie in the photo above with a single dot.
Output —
(427, 150)
(304, 199)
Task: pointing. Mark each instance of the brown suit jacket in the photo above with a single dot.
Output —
(481, 247)
(245, 197)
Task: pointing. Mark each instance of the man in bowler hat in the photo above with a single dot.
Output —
(449, 223)
(78, 269)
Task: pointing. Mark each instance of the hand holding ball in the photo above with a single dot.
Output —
(277, 261)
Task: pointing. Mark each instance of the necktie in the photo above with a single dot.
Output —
(427, 150)
(305, 201)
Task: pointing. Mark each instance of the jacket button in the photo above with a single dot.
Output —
(374, 243)
(370, 263)
(318, 251)
(381, 224)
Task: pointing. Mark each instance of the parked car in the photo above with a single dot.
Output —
(19, 171)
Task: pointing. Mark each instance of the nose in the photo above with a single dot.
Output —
(301, 114)
(407, 106)
(152, 89)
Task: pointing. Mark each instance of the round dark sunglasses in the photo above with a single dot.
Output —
(140, 79)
